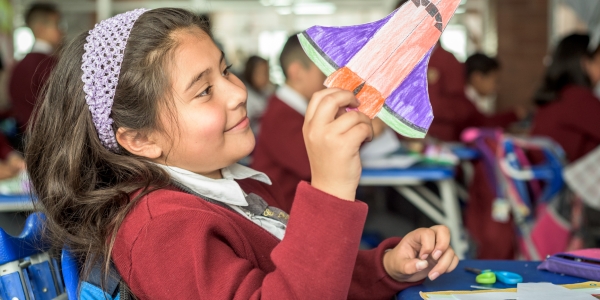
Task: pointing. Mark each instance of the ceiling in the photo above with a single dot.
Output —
(213, 5)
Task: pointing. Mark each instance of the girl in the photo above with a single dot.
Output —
(568, 109)
(259, 88)
(132, 156)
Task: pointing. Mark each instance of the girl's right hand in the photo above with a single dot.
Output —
(333, 138)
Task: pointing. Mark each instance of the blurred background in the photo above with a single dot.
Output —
(520, 33)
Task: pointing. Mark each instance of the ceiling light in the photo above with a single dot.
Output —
(276, 2)
(317, 8)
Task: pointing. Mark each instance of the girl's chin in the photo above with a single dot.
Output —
(246, 146)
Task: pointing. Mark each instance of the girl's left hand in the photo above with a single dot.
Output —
(421, 253)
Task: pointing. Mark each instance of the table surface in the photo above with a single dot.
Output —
(15, 203)
(425, 171)
(464, 152)
(460, 279)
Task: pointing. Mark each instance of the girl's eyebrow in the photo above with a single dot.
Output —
(204, 73)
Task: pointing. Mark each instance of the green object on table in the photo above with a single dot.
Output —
(486, 277)
(483, 277)
(490, 277)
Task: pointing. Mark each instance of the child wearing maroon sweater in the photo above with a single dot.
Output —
(569, 112)
(145, 176)
(30, 74)
(280, 151)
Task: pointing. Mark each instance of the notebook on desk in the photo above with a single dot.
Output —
(589, 288)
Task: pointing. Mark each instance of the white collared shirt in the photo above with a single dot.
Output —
(485, 104)
(41, 46)
(292, 98)
(228, 191)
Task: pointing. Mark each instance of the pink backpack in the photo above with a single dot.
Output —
(534, 194)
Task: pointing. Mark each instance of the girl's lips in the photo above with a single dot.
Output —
(245, 122)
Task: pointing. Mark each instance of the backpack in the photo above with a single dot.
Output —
(91, 288)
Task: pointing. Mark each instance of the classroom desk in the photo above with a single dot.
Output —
(464, 152)
(459, 279)
(466, 155)
(410, 182)
(12, 203)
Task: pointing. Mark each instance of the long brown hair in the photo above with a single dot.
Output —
(566, 68)
(84, 189)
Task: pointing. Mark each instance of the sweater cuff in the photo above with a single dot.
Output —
(382, 274)
(327, 214)
(324, 200)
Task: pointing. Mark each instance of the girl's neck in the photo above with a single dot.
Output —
(213, 175)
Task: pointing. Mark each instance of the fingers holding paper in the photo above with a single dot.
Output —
(333, 138)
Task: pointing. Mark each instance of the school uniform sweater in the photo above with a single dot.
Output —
(280, 151)
(453, 112)
(174, 245)
(572, 120)
(26, 82)
(5, 148)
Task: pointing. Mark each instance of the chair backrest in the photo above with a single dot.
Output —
(516, 166)
(26, 270)
(70, 272)
(26, 244)
(90, 290)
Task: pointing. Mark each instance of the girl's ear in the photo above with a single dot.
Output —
(138, 143)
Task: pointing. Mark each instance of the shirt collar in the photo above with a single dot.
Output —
(41, 46)
(292, 98)
(225, 190)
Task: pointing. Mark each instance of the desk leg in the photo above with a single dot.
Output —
(448, 214)
(453, 217)
(422, 204)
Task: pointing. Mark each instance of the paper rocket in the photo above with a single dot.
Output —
(385, 62)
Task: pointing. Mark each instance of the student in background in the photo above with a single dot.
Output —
(568, 110)
(30, 74)
(482, 82)
(452, 110)
(11, 161)
(280, 151)
(569, 113)
(259, 87)
(11, 164)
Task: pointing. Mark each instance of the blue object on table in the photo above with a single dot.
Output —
(464, 152)
(460, 279)
(507, 277)
(419, 171)
(491, 276)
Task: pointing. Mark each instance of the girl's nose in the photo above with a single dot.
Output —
(235, 94)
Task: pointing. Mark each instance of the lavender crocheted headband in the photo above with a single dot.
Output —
(101, 65)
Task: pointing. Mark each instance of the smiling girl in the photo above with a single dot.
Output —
(133, 157)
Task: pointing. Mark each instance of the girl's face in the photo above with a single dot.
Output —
(211, 130)
(261, 75)
(592, 67)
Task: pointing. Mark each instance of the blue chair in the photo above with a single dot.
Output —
(26, 270)
(70, 272)
(86, 290)
(549, 171)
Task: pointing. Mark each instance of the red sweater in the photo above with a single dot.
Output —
(26, 82)
(5, 148)
(573, 121)
(280, 151)
(173, 245)
(452, 111)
